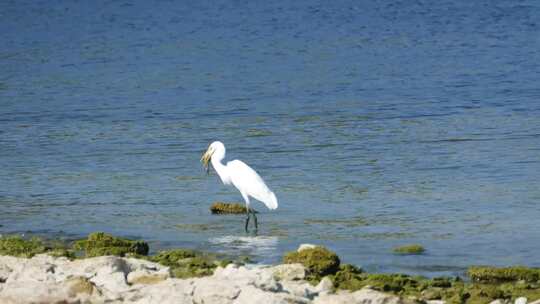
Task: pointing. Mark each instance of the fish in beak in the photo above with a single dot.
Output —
(205, 159)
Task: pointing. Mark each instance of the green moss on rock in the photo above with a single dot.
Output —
(186, 263)
(62, 252)
(348, 277)
(100, 243)
(318, 261)
(19, 247)
(27, 248)
(227, 208)
(503, 274)
(172, 257)
(451, 290)
(194, 267)
(396, 283)
(409, 249)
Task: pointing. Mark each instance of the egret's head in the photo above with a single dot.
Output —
(216, 149)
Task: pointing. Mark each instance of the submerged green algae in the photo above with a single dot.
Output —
(409, 249)
(258, 133)
(100, 243)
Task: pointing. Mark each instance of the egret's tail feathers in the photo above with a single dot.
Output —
(271, 203)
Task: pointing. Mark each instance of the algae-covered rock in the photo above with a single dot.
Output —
(318, 261)
(444, 282)
(227, 208)
(503, 274)
(485, 293)
(352, 278)
(409, 249)
(62, 252)
(431, 294)
(186, 263)
(171, 257)
(100, 243)
(19, 247)
(391, 282)
(348, 277)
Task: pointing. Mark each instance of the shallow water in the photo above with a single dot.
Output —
(376, 123)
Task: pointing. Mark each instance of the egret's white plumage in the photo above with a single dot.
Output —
(248, 182)
(240, 175)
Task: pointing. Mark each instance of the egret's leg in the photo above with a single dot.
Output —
(255, 219)
(247, 219)
(246, 198)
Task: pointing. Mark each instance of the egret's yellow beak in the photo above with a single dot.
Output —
(205, 159)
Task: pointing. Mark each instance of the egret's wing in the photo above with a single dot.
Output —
(248, 181)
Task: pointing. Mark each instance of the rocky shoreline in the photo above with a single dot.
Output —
(110, 279)
(115, 270)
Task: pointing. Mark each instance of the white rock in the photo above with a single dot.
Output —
(435, 302)
(146, 277)
(325, 286)
(163, 299)
(7, 264)
(209, 290)
(32, 292)
(32, 270)
(110, 273)
(299, 289)
(363, 296)
(251, 295)
(125, 280)
(144, 272)
(260, 276)
(168, 291)
(342, 297)
(289, 272)
(136, 264)
(306, 246)
(521, 300)
(366, 296)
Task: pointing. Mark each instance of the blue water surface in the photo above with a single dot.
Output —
(376, 123)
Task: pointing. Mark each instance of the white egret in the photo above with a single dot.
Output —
(240, 175)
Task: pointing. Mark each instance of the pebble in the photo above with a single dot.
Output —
(521, 300)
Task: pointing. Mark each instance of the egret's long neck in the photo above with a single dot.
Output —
(220, 168)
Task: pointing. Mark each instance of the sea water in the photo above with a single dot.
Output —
(376, 123)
